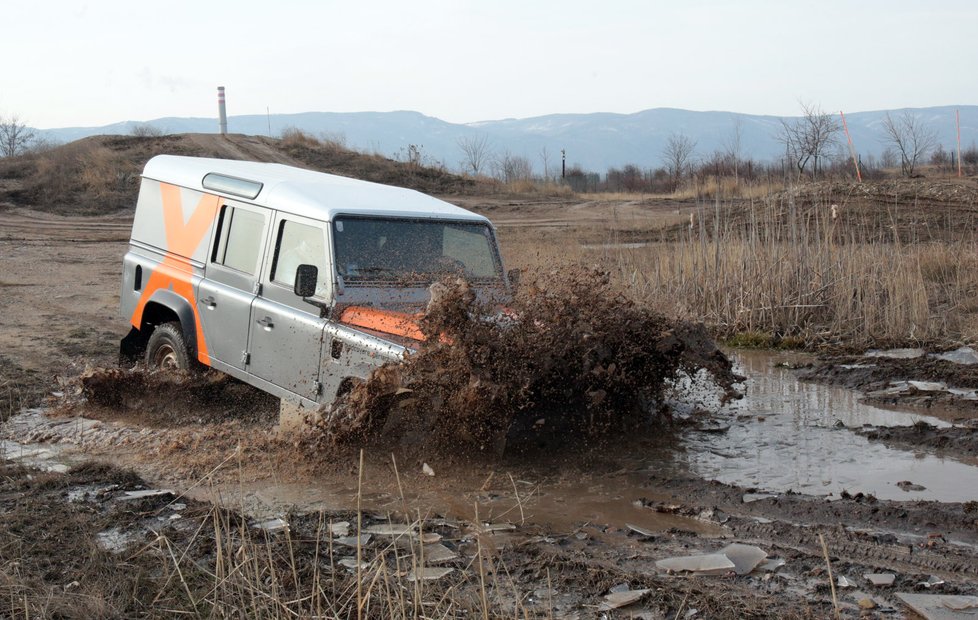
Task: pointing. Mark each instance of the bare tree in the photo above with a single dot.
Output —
(809, 138)
(677, 154)
(910, 138)
(15, 136)
(476, 152)
(510, 168)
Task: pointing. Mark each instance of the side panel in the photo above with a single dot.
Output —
(178, 223)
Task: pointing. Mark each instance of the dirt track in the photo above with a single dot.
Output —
(59, 297)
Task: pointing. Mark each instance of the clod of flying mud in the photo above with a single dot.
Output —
(571, 348)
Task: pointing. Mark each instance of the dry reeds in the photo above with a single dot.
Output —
(810, 271)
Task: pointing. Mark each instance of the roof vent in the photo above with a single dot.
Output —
(232, 185)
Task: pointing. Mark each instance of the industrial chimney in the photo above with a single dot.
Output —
(222, 110)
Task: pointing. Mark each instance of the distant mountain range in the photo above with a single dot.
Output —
(594, 141)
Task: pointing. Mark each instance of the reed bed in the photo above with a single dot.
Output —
(820, 270)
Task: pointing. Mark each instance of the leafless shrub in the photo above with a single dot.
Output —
(476, 153)
(910, 138)
(15, 136)
(677, 155)
(809, 138)
(145, 130)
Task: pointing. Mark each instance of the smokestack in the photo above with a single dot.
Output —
(222, 110)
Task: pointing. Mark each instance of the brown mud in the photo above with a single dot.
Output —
(570, 350)
(60, 296)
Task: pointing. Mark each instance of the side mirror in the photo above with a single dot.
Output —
(514, 278)
(306, 277)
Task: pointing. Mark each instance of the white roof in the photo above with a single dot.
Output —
(304, 192)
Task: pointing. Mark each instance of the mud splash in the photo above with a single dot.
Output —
(571, 349)
(165, 398)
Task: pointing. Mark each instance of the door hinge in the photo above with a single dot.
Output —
(245, 358)
(257, 288)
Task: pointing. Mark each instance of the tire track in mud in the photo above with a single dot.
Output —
(946, 560)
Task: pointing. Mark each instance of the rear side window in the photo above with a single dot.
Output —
(239, 239)
(299, 244)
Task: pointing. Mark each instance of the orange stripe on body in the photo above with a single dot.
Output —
(387, 321)
(175, 271)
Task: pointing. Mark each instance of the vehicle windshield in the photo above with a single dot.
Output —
(371, 251)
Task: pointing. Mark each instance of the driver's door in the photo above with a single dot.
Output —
(287, 332)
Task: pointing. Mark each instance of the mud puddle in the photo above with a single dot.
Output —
(568, 505)
(791, 435)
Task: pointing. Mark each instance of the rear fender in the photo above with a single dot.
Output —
(165, 299)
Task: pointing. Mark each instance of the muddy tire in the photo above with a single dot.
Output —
(167, 349)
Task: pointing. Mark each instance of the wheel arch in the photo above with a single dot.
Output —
(165, 306)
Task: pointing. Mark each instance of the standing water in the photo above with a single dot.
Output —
(787, 434)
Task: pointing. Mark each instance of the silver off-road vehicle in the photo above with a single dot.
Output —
(296, 282)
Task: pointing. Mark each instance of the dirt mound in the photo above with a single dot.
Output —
(100, 174)
(168, 399)
(570, 350)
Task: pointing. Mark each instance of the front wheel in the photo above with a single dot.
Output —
(167, 349)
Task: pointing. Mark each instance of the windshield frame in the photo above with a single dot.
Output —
(498, 280)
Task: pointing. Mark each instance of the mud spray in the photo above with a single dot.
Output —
(570, 351)
(571, 355)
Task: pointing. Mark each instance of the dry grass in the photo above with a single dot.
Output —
(789, 270)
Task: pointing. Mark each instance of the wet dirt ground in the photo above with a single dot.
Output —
(789, 465)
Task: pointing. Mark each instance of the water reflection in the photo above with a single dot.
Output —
(786, 434)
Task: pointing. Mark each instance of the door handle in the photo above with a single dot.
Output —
(209, 302)
(266, 323)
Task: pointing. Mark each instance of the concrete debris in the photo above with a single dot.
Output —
(429, 573)
(880, 579)
(438, 553)
(845, 582)
(641, 531)
(429, 537)
(965, 355)
(614, 600)
(867, 603)
(756, 497)
(498, 527)
(427, 470)
(932, 582)
(131, 495)
(352, 541)
(351, 563)
(708, 564)
(340, 528)
(744, 557)
(391, 529)
(272, 526)
(898, 354)
(928, 386)
(772, 565)
(941, 606)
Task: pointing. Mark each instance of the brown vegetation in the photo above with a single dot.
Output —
(100, 174)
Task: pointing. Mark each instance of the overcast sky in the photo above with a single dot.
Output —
(92, 63)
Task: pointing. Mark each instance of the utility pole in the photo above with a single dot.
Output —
(563, 164)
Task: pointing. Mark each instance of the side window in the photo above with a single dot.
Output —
(239, 239)
(299, 244)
